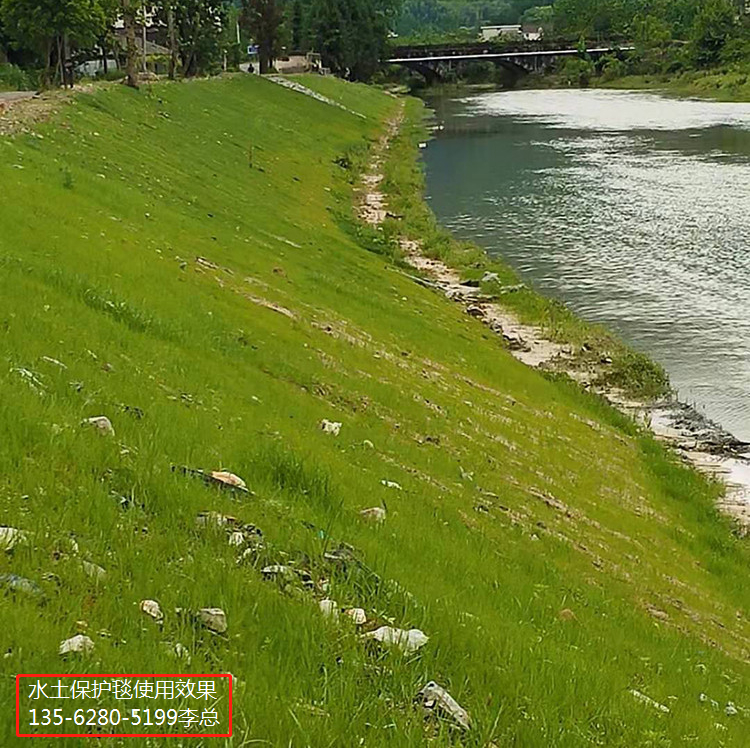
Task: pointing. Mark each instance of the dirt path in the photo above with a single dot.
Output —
(698, 441)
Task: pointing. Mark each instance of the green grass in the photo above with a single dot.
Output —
(529, 497)
(723, 85)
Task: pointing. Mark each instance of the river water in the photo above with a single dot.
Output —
(632, 208)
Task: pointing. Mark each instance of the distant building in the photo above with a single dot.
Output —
(309, 63)
(506, 32)
(532, 33)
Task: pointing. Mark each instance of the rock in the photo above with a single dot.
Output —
(102, 424)
(93, 570)
(375, 515)
(152, 609)
(489, 277)
(212, 518)
(224, 479)
(331, 428)
(214, 619)
(568, 615)
(407, 641)
(15, 583)
(649, 701)
(10, 537)
(232, 480)
(78, 644)
(236, 539)
(731, 709)
(182, 652)
(438, 699)
(368, 444)
(390, 485)
(329, 608)
(272, 571)
(359, 616)
(657, 613)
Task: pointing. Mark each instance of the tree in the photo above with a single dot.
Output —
(351, 35)
(264, 19)
(198, 25)
(712, 28)
(53, 28)
(129, 9)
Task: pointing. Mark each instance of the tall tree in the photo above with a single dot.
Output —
(264, 19)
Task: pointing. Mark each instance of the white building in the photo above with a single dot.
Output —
(494, 32)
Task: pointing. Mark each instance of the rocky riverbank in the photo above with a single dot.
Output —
(702, 443)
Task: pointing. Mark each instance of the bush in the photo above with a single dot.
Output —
(12, 78)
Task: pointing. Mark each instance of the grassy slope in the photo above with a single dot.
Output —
(727, 86)
(102, 220)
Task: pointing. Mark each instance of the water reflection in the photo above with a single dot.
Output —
(633, 208)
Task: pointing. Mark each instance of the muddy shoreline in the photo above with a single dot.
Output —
(697, 440)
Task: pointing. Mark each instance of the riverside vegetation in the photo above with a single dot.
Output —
(186, 260)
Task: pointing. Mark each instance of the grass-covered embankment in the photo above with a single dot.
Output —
(556, 558)
(723, 85)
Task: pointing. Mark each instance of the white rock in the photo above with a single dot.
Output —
(102, 424)
(359, 616)
(10, 537)
(436, 698)
(331, 428)
(390, 485)
(76, 644)
(226, 477)
(236, 539)
(93, 570)
(731, 709)
(152, 609)
(376, 515)
(490, 276)
(368, 444)
(182, 652)
(649, 701)
(329, 608)
(214, 619)
(407, 641)
(277, 570)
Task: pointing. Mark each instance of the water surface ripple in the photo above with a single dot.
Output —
(633, 208)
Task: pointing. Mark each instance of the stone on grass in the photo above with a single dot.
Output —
(214, 619)
(232, 480)
(639, 696)
(151, 608)
(731, 709)
(271, 571)
(437, 699)
(357, 615)
(490, 276)
(407, 641)
(236, 539)
(15, 583)
(329, 608)
(375, 515)
(390, 485)
(10, 537)
(92, 570)
(102, 424)
(331, 428)
(78, 644)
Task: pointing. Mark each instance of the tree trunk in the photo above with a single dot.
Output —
(105, 66)
(128, 16)
(172, 35)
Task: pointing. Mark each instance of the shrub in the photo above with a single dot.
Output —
(13, 78)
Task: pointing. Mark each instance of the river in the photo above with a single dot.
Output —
(631, 207)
